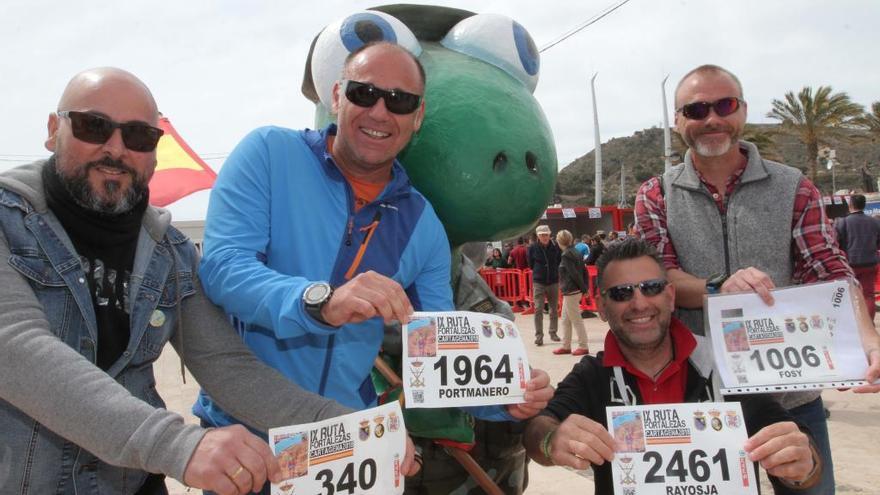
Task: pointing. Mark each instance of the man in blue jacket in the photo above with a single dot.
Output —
(315, 239)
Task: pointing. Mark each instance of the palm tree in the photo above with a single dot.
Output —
(872, 120)
(764, 140)
(816, 117)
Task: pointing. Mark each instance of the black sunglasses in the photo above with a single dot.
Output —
(366, 95)
(625, 292)
(95, 129)
(699, 110)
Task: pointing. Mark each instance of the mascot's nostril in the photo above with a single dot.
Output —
(531, 161)
(500, 161)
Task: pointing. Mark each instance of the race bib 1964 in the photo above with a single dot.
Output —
(464, 359)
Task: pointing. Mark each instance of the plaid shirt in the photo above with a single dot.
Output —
(814, 246)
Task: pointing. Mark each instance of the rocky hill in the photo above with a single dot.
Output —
(642, 157)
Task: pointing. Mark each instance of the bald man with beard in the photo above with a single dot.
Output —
(93, 284)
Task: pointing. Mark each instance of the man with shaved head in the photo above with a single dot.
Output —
(93, 283)
(316, 239)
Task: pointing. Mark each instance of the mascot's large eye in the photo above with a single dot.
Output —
(346, 35)
(500, 41)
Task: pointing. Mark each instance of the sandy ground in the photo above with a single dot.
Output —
(854, 424)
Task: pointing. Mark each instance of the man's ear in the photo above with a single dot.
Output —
(420, 115)
(52, 126)
(337, 93)
(676, 122)
(600, 308)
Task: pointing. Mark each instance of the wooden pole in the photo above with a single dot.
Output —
(467, 462)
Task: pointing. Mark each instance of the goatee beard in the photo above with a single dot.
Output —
(79, 188)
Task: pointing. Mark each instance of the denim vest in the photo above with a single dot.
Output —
(34, 460)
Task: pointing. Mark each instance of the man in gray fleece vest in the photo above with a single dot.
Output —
(727, 220)
(93, 283)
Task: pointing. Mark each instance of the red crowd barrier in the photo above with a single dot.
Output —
(515, 288)
(877, 287)
(588, 302)
(506, 284)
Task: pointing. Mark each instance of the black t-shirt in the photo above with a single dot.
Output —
(106, 245)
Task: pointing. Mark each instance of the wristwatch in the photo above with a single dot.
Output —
(315, 297)
(714, 283)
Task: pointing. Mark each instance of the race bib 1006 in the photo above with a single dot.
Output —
(807, 339)
(360, 452)
(680, 449)
(463, 358)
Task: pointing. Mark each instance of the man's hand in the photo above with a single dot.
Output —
(783, 450)
(580, 441)
(873, 373)
(869, 337)
(410, 465)
(750, 280)
(538, 394)
(231, 460)
(367, 295)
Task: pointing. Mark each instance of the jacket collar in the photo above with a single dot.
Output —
(756, 170)
(317, 142)
(683, 345)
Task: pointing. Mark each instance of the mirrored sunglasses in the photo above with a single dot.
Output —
(95, 129)
(699, 110)
(625, 292)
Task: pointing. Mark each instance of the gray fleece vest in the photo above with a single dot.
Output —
(755, 231)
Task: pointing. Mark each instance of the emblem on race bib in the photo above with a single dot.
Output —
(499, 332)
(416, 381)
(626, 468)
(699, 420)
(733, 420)
(487, 328)
(393, 422)
(379, 429)
(364, 430)
(716, 420)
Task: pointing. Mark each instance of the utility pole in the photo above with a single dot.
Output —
(597, 152)
(667, 138)
(621, 200)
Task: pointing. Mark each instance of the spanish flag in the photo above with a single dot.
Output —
(179, 171)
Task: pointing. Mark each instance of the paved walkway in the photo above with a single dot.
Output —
(854, 424)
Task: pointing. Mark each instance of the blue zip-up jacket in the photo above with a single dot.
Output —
(281, 216)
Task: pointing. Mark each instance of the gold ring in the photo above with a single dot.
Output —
(237, 472)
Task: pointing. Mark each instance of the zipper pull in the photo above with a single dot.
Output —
(372, 225)
(350, 228)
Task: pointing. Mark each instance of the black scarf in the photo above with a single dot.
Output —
(106, 245)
